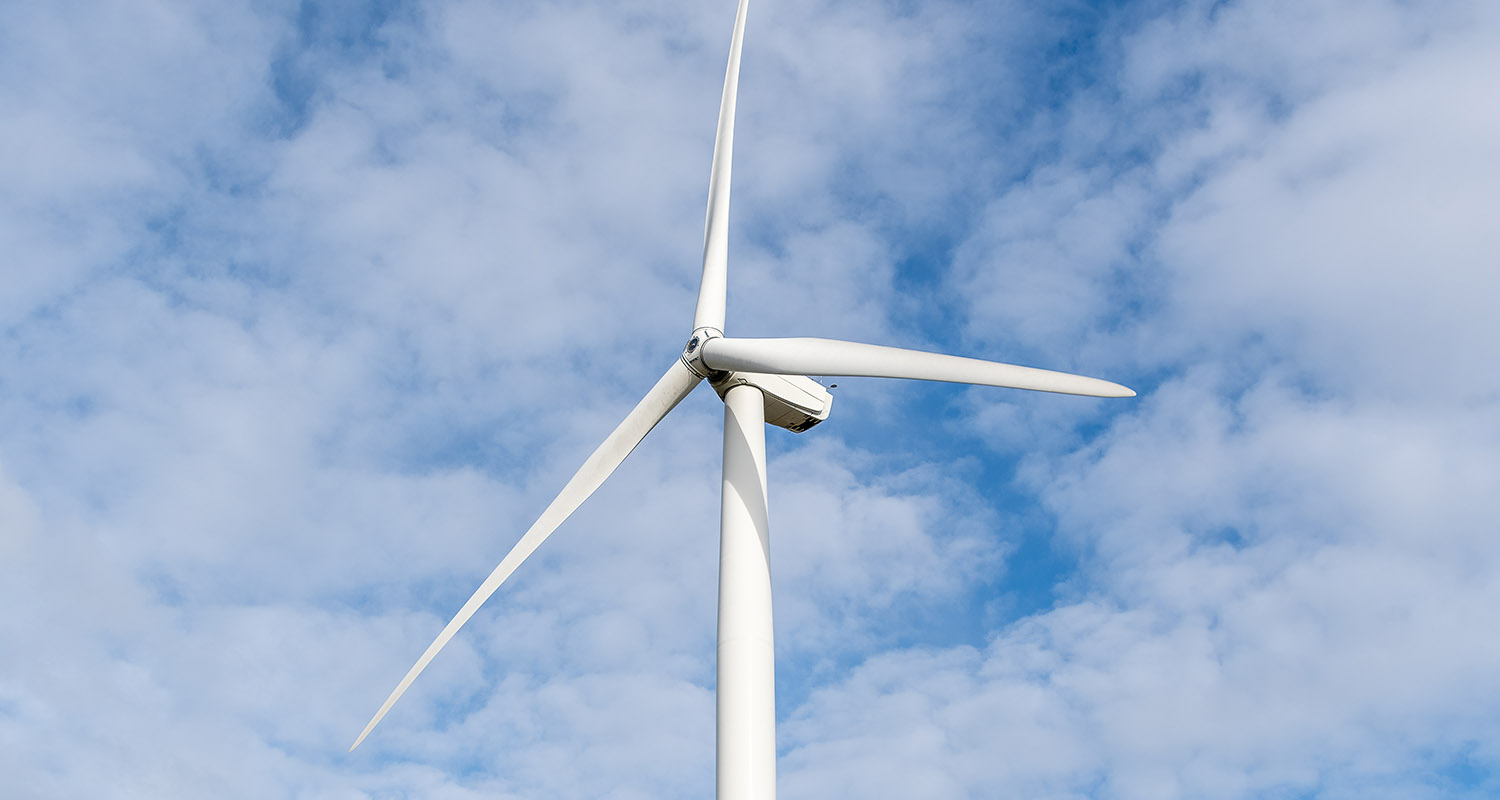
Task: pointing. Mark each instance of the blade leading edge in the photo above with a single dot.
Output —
(676, 384)
(833, 357)
(710, 311)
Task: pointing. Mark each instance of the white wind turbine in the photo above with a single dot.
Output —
(761, 381)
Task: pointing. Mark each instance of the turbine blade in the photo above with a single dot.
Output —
(710, 311)
(663, 397)
(832, 357)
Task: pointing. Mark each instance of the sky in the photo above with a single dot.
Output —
(308, 309)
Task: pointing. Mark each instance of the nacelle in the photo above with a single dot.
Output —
(793, 402)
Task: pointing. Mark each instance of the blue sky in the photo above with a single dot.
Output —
(310, 308)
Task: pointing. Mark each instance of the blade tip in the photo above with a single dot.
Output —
(1112, 389)
(1096, 387)
(362, 736)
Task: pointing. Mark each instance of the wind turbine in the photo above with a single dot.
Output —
(762, 381)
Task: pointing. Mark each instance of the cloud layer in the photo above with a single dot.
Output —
(310, 308)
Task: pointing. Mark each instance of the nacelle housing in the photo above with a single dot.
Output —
(794, 402)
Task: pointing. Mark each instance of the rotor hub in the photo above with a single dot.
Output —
(692, 352)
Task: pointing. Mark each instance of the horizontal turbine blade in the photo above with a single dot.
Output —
(832, 357)
(711, 289)
(662, 398)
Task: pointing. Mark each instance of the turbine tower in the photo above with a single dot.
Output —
(762, 381)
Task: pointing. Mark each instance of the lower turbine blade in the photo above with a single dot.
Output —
(663, 397)
(832, 357)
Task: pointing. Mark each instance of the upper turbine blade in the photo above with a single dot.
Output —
(710, 312)
(662, 398)
(832, 357)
